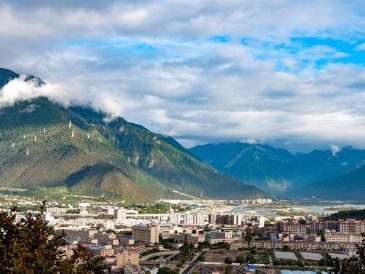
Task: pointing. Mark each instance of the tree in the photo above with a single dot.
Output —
(186, 252)
(351, 265)
(167, 270)
(323, 237)
(201, 258)
(248, 238)
(302, 222)
(285, 248)
(240, 259)
(250, 259)
(228, 260)
(32, 246)
(228, 269)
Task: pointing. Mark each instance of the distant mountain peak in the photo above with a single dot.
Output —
(6, 75)
(277, 169)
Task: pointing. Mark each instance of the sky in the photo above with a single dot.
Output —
(288, 73)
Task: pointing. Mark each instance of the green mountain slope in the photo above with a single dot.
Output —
(273, 169)
(38, 147)
(350, 186)
(278, 170)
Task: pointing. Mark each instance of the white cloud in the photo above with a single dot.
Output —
(334, 149)
(19, 90)
(361, 47)
(182, 83)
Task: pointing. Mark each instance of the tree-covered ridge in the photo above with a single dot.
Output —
(348, 214)
(45, 144)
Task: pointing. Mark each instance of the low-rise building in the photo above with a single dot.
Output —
(127, 258)
(98, 250)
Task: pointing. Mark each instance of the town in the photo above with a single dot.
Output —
(199, 236)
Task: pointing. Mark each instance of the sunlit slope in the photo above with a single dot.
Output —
(45, 144)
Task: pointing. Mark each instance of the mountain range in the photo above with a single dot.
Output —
(350, 186)
(43, 143)
(284, 173)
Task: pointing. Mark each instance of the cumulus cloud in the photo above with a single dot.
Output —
(156, 64)
(20, 90)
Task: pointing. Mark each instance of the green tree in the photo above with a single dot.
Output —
(186, 251)
(201, 258)
(240, 259)
(30, 245)
(355, 264)
(228, 260)
(323, 237)
(228, 269)
(248, 238)
(285, 248)
(167, 270)
(250, 259)
(302, 222)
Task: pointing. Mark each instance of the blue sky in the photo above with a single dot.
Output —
(290, 73)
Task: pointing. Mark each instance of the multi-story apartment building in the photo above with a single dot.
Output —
(193, 219)
(343, 237)
(78, 235)
(174, 218)
(351, 226)
(148, 234)
(185, 237)
(120, 214)
(60, 210)
(297, 245)
(228, 219)
(342, 226)
(317, 227)
(291, 228)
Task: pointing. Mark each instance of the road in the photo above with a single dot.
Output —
(166, 253)
(193, 262)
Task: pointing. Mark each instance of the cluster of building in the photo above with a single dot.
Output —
(121, 251)
(317, 235)
(126, 239)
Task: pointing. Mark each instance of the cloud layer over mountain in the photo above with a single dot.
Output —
(201, 72)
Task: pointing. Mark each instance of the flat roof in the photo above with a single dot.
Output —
(311, 256)
(339, 256)
(285, 255)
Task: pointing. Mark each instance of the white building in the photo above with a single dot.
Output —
(120, 214)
